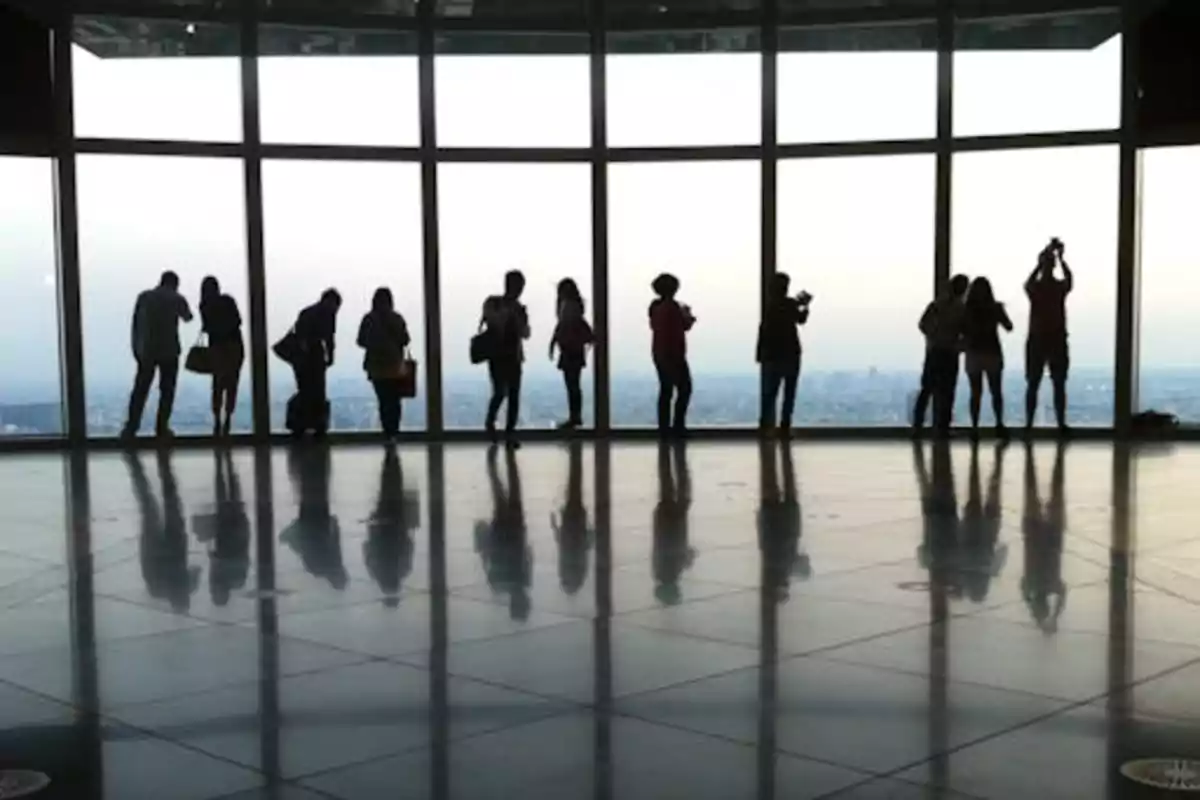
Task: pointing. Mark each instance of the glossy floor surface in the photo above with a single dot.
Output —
(574, 621)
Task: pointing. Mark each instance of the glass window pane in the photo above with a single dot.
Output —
(338, 87)
(658, 9)
(700, 222)
(858, 83)
(30, 396)
(1170, 240)
(1006, 207)
(693, 88)
(857, 233)
(157, 79)
(509, 10)
(353, 226)
(371, 8)
(494, 92)
(495, 217)
(139, 216)
(1037, 74)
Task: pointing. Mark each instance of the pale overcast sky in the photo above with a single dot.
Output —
(857, 232)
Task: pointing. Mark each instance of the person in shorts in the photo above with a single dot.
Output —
(1046, 347)
(982, 322)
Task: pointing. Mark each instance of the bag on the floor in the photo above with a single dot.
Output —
(199, 357)
(298, 420)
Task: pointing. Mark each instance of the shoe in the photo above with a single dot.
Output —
(128, 435)
(1002, 433)
(491, 433)
(512, 442)
(227, 428)
(217, 430)
(766, 430)
(1065, 432)
(568, 425)
(165, 434)
(785, 433)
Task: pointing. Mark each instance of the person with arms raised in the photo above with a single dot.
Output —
(1046, 347)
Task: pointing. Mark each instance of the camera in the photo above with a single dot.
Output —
(804, 298)
(1056, 245)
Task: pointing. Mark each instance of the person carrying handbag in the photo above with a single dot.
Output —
(383, 336)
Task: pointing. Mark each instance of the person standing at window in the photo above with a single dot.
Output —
(1047, 346)
(155, 343)
(941, 324)
(506, 323)
(572, 336)
(669, 323)
(383, 335)
(221, 321)
(315, 330)
(982, 322)
(778, 352)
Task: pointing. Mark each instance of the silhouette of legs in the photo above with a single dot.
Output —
(505, 374)
(975, 380)
(996, 390)
(772, 379)
(137, 398)
(572, 375)
(790, 379)
(387, 392)
(168, 375)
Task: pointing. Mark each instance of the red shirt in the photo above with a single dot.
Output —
(669, 325)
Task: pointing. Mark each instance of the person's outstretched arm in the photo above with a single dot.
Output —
(801, 314)
(185, 311)
(135, 325)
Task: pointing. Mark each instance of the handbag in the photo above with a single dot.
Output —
(408, 376)
(482, 345)
(288, 348)
(199, 357)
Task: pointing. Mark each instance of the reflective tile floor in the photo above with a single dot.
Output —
(624, 621)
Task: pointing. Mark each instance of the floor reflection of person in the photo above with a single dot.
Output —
(938, 551)
(571, 529)
(1043, 526)
(502, 543)
(779, 522)
(672, 554)
(229, 551)
(982, 554)
(388, 549)
(315, 535)
(163, 545)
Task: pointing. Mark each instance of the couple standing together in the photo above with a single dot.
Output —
(967, 318)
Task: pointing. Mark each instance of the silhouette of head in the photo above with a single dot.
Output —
(569, 290)
(209, 288)
(980, 294)
(959, 285)
(1046, 259)
(331, 299)
(665, 285)
(169, 280)
(383, 300)
(514, 283)
(780, 282)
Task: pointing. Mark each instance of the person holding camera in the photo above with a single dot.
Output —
(1046, 346)
(778, 352)
(670, 322)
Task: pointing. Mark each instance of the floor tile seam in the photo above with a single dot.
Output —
(101, 644)
(835, 794)
(1140, 682)
(1063, 710)
(304, 779)
(418, 593)
(42, 595)
(869, 775)
(281, 784)
(622, 616)
(150, 734)
(64, 705)
(29, 560)
(873, 603)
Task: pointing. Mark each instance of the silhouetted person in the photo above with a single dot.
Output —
(670, 323)
(1047, 345)
(572, 337)
(155, 342)
(221, 321)
(983, 554)
(941, 323)
(779, 522)
(163, 544)
(315, 329)
(982, 322)
(778, 351)
(383, 336)
(938, 551)
(672, 553)
(502, 543)
(229, 552)
(388, 549)
(570, 525)
(1042, 585)
(315, 535)
(506, 323)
